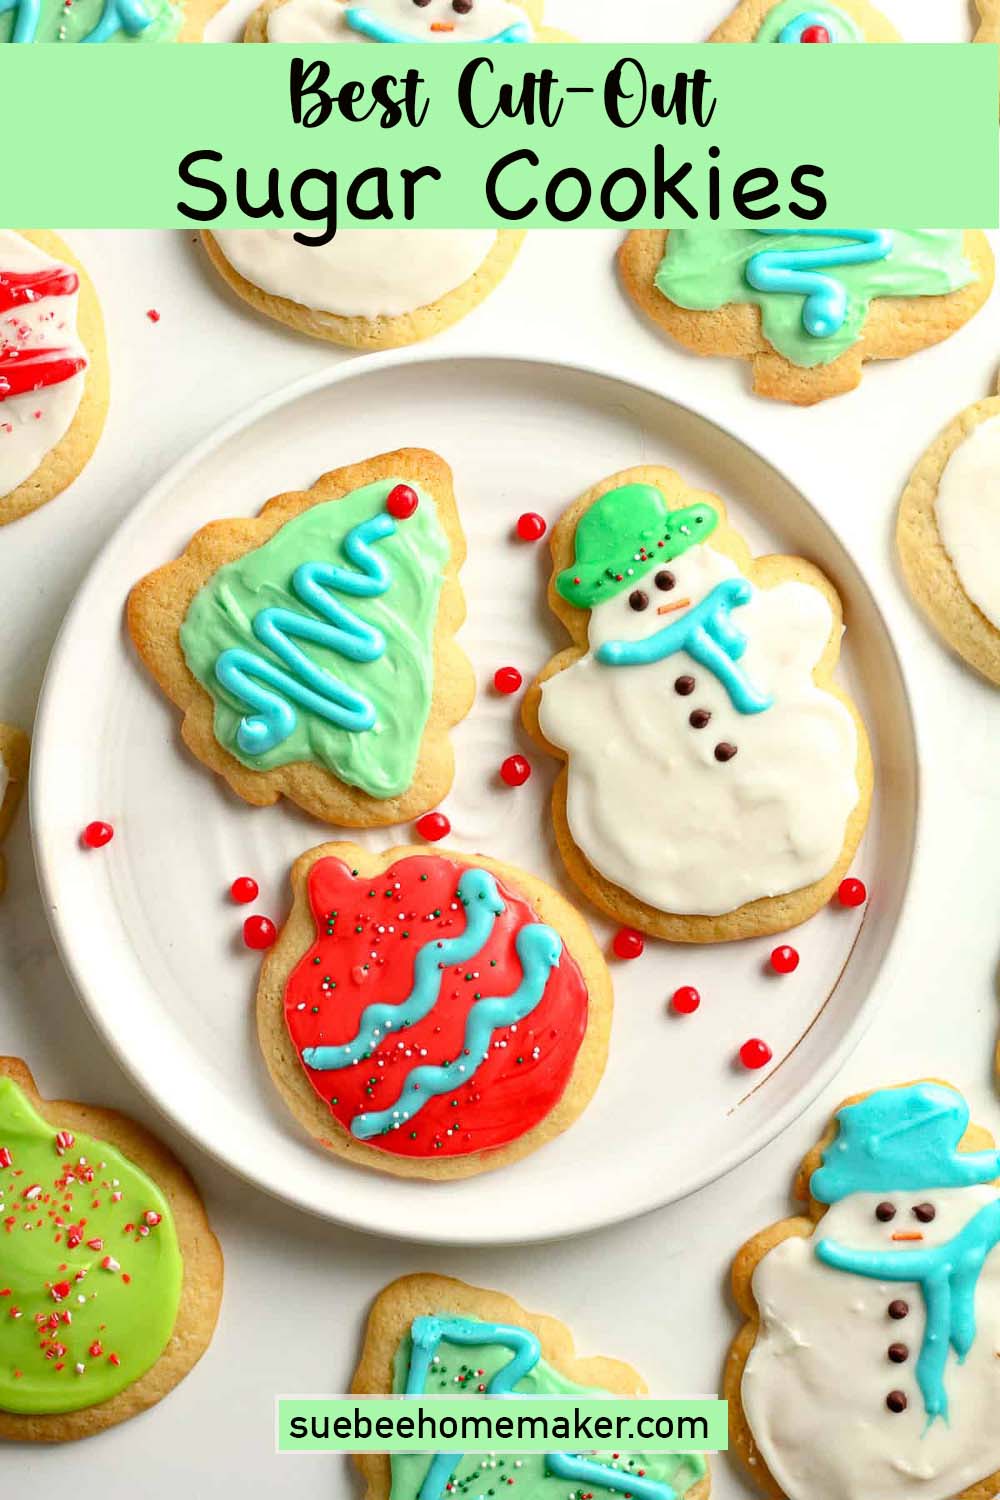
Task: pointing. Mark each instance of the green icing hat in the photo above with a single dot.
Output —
(624, 534)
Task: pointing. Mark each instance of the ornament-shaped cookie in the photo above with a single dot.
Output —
(425, 1335)
(716, 779)
(53, 369)
(799, 21)
(14, 749)
(431, 1014)
(113, 1296)
(376, 290)
(948, 534)
(868, 1364)
(311, 649)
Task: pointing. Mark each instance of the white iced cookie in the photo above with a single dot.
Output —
(13, 779)
(948, 534)
(399, 21)
(869, 1363)
(710, 765)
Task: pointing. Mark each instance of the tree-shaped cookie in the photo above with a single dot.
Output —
(105, 20)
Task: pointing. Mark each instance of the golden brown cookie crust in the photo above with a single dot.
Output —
(159, 602)
(741, 1440)
(14, 750)
(748, 17)
(894, 327)
(63, 463)
(769, 914)
(425, 1295)
(197, 14)
(201, 1292)
(989, 21)
(929, 571)
(298, 935)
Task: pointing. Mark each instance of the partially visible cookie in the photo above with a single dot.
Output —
(989, 21)
(717, 780)
(431, 1014)
(128, 21)
(803, 21)
(311, 648)
(53, 369)
(14, 750)
(867, 1364)
(114, 1294)
(425, 1331)
(437, 21)
(948, 534)
(807, 328)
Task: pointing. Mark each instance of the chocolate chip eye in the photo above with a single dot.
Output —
(885, 1212)
(638, 599)
(925, 1212)
(462, 7)
(421, 3)
(664, 579)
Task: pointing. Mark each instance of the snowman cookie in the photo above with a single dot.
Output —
(807, 307)
(311, 649)
(13, 778)
(948, 534)
(431, 1014)
(794, 21)
(431, 1335)
(717, 781)
(105, 20)
(113, 1297)
(868, 1364)
(53, 369)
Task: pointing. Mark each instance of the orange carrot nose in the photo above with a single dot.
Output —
(442, 26)
(668, 609)
(910, 1235)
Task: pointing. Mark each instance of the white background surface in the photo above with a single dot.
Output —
(652, 1292)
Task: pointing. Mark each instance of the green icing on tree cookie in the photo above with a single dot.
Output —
(90, 1267)
(89, 21)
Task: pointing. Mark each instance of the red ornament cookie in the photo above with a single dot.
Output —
(431, 1014)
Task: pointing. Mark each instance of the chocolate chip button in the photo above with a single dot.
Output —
(724, 750)
(899, 1309)
(899, 1353)
(925, 1212)
(698, 718)
(896, 1401)
(885, 1213)
(684, 686)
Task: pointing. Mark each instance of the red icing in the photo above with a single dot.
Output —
(18, 288)
(324, 1000)
(24, 370)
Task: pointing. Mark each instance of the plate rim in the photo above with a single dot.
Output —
(45, 733)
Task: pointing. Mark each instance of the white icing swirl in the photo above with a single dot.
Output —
(968, 515)
(650, 805)
(361, 273)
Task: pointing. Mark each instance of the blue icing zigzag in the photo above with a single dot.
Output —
(369, 25)
(129, 16)
(800, 272)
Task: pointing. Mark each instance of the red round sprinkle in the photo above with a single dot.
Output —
(402, 502)
(852, 893)
(152, 315)
(628, 943)
(96, 835)
(244, 889)
(433, 826)
(259, 932)
(530, 526)
(515, 770)
(686, 1000)
(784, 960)
(507, 679)
(815, 34)
(755, 1053)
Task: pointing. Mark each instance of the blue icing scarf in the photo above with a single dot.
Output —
(948, 1277)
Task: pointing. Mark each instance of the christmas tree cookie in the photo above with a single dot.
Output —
(431, 1015)
(113, 1296)
(13, 778)
(311, 649)
(431, 1335)
(806, 307)
(948, 533)
(868, 1362)
(716, 779)
(53, 369)
(799, 21)
(105, 20)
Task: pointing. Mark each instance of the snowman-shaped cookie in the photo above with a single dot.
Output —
(869, 1365)
(716, 781)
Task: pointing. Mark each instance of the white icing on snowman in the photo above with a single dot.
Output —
(651, 805)
(33, 422)
(361, 273)
(968, 515)
(399, 20)
(817, 1380)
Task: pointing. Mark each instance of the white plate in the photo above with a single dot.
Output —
(152, 941)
